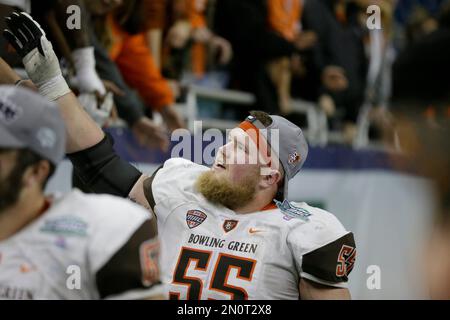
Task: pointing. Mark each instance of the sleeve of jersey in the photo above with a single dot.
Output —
(324, 251)
(123, 245)
(136, 264)
(171, 185)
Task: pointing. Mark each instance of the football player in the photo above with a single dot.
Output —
(227, 232)
(75, 246)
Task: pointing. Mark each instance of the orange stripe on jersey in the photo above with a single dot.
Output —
(270, 206)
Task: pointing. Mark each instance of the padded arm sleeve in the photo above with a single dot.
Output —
(103, 171)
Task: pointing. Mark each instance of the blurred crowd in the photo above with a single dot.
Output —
(130, 59)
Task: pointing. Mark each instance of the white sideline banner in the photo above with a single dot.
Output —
(389, 213)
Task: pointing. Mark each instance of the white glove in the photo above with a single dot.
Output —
(87, 78)
(39, 59)
(99, 113)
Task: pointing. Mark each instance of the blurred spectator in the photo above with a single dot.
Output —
(381, 54)
(155, 25)
(419, 24)
(191, 46)
(284, 20)
(444, 15)
(78, 50)
(415, 18)
(245, 23)
(351, 34)
(122, 33)
(320, 63)
(129, 105)
(421, 105)
(324, 50)
(73, 43)
(53, 15)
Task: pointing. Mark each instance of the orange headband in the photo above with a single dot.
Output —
(261, 144)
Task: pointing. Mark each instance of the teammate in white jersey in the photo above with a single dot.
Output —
(229, 231)
(75, 246)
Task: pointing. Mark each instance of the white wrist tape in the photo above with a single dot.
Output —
(53, 88)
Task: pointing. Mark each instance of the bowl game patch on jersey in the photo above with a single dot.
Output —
(291, 211)
(194, 218)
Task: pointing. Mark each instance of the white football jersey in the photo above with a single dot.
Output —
(58, 255)
(210, 252)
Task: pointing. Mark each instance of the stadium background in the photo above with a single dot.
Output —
(389, 211)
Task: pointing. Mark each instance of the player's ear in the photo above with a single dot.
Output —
(271, 177)
(37, 174)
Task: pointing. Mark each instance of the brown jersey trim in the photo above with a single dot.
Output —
(124, 271)
(148, 192)
(332, 262)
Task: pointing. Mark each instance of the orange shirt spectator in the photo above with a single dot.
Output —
(196, 14)
(284, 17)
(134, 59)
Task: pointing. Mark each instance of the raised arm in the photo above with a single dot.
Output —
(90, 151)
(7, 75)
(42, 67)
